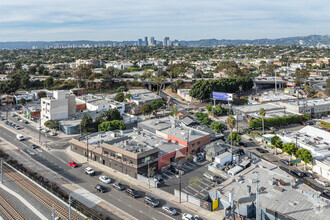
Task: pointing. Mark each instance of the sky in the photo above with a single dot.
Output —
(45, 20)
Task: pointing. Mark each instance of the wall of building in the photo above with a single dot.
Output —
(322, 169)
(71, 105)
(80, 107)
(166, 159)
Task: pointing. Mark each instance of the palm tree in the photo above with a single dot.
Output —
(159, 81)
(262, 113)
(230, 121)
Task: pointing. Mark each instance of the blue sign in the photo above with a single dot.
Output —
(296, 161)
(222, 96)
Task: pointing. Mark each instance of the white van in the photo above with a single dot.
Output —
(20, 137)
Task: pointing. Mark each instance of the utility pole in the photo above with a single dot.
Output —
(70, 206)
(148, 175)
(53, 214)
(275, 83)
(1, 171)
(180, 186)
(39, 128)
(87, 147)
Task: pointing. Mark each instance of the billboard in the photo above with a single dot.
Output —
(222, 96)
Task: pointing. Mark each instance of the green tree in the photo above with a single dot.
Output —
(112, 114)
(301, 75)
(156, 104)
(25, 81)
(277, 143)
(52, 124)
(203, 118)
(159, 82)
(327, 88)
(22, 101)
(86, 123)
(120, 97)
(305, 155)
(84, 71)
(121, 89)
(290, 148)
(112, 125)
(128, 96)
(49, 82)
(209, 107)
(230, 121)
(219, 110)
(42, 94)
(218, 127)
(145, 108)
(262, 113)
(236, 137)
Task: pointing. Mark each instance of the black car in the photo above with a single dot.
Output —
(261, 150)
(33, 146)
(176, 170)
(297, 173)
(326, 193)
(286, 162)
(100, 188)
(151, 201)
(309, 175)
(243, 144)
(118, 186)
(132, 192)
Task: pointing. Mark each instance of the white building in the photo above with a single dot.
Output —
(184, 93)
(100, 103)
(58, 107)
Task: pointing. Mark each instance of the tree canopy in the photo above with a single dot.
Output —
(111, 125)
(218, 127)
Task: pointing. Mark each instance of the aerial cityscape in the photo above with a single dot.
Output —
(164, 110)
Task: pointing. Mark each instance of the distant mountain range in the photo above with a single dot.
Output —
(311, 40)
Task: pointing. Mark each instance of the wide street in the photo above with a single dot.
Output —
(57, 161)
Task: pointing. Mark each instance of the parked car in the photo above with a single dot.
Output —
(286, 162)
(33, 146)
(118, 186)
(132, 192)
(105, 179)
(101, 188)
(158, 178)
(13, 115)
(38, 128)
(90, 171)
(321, 182)
(52, 133)
(151, 201)
(310, 175)
(73, 164)
(326, 193)
(186, 216)
(17, 127)
(261, 150)
(243, 144)
(169, 210)
(212, 177)
(297, 173)
(176, 170)
(45, 130)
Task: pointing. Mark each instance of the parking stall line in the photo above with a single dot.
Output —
(192, 164)
(169, 177)
(184, 169)
(184, 190)
(188, 166)
(192, 188)
(202, 182)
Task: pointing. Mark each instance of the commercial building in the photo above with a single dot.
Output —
(166, 41)
(32, 111)
(279, 195)
(315, 107)
(129, 153)
(100, 103)
(7, 99)
(58, 107)
(184, 93)
(252, 111)
(141, 96)
(23, 95)
(274, 98)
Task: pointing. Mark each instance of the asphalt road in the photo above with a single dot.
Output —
(57, 161)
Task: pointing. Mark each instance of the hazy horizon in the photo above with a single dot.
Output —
(100, 20)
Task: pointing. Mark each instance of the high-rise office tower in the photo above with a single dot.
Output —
(151, 41)
(139, 43)
(146, 41)
(166, 41)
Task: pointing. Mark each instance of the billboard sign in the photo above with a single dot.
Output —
(222, 96)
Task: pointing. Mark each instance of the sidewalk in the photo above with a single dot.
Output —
(68, 186)
(205, 214)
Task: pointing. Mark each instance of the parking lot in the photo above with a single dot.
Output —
(191, 170)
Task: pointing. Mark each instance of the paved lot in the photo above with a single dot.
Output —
(191, 170)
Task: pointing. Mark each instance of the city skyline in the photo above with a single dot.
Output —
(37, 20)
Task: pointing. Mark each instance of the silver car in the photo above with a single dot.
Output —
(169, 210)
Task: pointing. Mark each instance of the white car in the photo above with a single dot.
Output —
(89, 171)
(321, 182)
(52, 133)
(45, 130)
(105, 179)
(38, 128)
(186, 216)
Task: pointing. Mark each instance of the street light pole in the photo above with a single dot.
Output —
(70, 206)
(1, 171)
(148, 175)
(180, 185)
(87, 147)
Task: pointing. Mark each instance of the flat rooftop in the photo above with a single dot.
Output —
(255, 108)
(185, 133)
(294, 201)
(309, 102)
(273, 98)
(132, 141)
(273, 113)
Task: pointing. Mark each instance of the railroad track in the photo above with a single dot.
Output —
(38, 194)
(9, 211)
